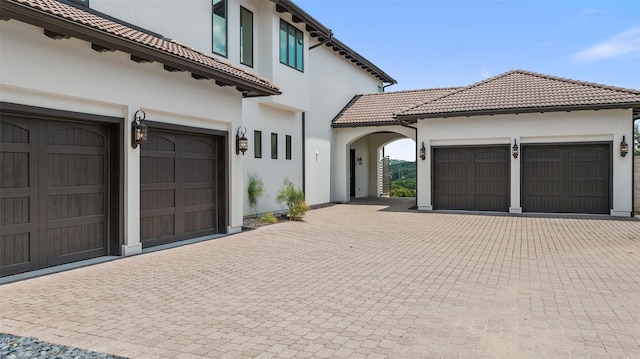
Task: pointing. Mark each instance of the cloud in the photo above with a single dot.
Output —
(626, 42)
(485, 73)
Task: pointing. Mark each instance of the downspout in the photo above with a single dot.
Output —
(415, 151)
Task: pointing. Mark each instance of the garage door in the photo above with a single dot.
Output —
(53, 192)
(183, 191)
(572, 178)
(471, 178)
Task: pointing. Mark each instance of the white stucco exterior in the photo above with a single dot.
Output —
(531, 128)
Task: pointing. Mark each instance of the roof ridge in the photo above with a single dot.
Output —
(577, 82)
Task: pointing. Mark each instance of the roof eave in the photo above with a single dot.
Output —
(365, 124)
(515, 111)
(42, 19)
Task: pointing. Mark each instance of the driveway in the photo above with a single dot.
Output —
(364, 280)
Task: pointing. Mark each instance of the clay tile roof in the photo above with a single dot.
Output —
(91, 26)
(523, 91)
(380, 108)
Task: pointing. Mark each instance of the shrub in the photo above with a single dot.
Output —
(256, 190)
(293, 198)
(269, 218)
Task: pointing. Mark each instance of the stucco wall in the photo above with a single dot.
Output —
(532, 128)
(69, 75)
(636, 181)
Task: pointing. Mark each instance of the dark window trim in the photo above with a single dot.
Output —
(288, 150)
(242, 9)
(226, 29)
(274, 146)
(257, 147)
(289, 26)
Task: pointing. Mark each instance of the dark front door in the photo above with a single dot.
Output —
(54, 200)
(182, 188)
(471, 178)
(352, 173)
(571, 178)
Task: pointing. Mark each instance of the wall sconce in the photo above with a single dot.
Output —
(359, 160)
(624, 147)
(139, 131)
(514, 149)
(423, 152)
(242, 144)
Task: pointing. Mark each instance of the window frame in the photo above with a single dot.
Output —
(274, 146)
(257, 147)
(287, 147)
(297, 49)
(243, 11)
(226, 28)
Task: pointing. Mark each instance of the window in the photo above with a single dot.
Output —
(287, 151)
(274, 146)
(257, 147)
(246, 37)
(291, 46)
(220, 27)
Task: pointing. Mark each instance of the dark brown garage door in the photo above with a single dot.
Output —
(183, 191)
(471, 178)
(572, 178)
(54, 192)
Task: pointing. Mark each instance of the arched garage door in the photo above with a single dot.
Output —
(566, 178)
(471, 178)
(182, 186)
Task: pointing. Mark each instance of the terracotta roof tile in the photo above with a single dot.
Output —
(380, 108)
(100, 24)
(521, 91)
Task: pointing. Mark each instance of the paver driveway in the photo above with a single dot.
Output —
(359, 280)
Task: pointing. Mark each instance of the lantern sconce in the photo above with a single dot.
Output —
(139, 131)
(624, 147)
(514, 149)
(359, 160)
(423, 152)
(242, 144)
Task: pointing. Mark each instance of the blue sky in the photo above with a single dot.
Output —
(428, 43)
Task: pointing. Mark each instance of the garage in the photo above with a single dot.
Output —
(183, 191)
(58, 200)
(471, 178)
(567, 178)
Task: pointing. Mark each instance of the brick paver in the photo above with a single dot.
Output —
(357, 281)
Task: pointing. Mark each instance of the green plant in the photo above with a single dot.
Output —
(256, 190)
(293, 198)
(269, 218)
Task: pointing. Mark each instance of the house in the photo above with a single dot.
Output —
(79, 79)
(223, 89)
(517, 142)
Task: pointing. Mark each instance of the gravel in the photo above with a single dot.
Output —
(13, 347)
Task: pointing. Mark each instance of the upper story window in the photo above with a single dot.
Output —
(291, 46)
(220, 27)
(246, 37)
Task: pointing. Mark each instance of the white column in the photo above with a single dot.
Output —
(515, 206)
(132, 244)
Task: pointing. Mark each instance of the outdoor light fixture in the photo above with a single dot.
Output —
(624, 147)
(514, 149)
(242, 144)
(138, 129)
(423, 152)
(359, 160)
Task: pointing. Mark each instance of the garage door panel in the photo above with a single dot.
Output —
(567, 178)
(15, 250)
(471, 178)
(191, 207)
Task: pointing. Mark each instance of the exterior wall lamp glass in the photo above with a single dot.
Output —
(624, 147)
(139, 131)
(359, 160)
(242, 144)
(514, 149)
(423, 152)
